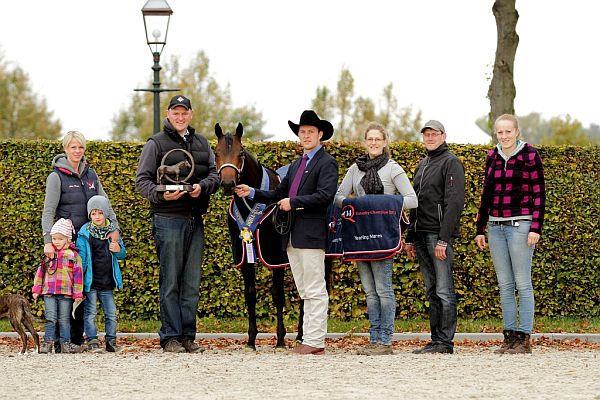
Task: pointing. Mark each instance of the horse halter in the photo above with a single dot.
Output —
(237, 169)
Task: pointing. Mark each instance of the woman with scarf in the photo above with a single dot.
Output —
(375, 173)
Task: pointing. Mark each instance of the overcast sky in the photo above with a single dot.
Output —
(85, 58)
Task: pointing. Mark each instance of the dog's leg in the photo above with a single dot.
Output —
(15, 320)
(28, 322)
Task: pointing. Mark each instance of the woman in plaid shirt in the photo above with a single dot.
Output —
(512, 208)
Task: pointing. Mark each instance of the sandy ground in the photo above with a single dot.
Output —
(227, 371)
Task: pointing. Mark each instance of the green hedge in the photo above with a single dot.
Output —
(566, 271)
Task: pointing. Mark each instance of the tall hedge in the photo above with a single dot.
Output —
(566, 266)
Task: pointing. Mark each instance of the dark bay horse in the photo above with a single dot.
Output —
(235, 166)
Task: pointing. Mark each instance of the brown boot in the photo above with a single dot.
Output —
(509, 340)
(522, 344)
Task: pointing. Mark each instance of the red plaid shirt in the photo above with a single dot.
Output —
(513, 188)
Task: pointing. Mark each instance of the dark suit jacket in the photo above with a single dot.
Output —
(315, 193)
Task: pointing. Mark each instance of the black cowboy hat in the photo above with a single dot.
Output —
(309, 117)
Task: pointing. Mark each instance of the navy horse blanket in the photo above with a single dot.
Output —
(367, 228)
(265, 243)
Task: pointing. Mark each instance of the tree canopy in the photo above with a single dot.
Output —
(211, 103)
(23, 115)
(351, 114)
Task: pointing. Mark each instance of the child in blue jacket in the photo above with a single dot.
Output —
(101, 272)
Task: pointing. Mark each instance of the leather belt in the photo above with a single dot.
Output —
(510, 222)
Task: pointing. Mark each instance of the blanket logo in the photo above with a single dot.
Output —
(348, 213)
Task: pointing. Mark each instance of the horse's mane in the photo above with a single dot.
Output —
(273, 177)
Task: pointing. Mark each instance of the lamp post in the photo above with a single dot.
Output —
(157, 15)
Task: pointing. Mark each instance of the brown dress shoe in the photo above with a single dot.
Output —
(304, 349)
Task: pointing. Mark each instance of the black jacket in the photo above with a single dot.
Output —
(315, 193)
(439, 182)
(205, 172)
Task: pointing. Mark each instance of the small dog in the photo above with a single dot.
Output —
(18, 311)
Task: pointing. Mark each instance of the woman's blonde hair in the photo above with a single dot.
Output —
(73, 135)
(507, 117)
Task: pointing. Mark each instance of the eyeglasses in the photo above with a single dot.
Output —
(432, 134)
(374, 140)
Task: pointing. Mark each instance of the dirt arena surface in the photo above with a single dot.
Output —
(555, 370)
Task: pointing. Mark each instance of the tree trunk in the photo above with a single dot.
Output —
(502, 90)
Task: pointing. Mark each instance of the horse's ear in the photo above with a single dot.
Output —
(239, 131)
(218, 130)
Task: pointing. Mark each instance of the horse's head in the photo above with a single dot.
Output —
(230, 157)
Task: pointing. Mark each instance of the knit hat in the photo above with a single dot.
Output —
(64, 227)
(98, 203)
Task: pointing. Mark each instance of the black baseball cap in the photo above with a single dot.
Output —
(180, 100)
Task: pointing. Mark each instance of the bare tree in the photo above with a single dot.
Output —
(502, 89)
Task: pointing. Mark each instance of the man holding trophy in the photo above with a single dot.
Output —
(177, 174)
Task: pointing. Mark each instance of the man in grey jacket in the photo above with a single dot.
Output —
(439, 182)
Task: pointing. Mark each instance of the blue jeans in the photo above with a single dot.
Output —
(439, 285)
(58, 310)
(512, 261)
(376, 279)
(180, 244)
(107, 301)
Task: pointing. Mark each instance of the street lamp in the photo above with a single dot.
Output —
(157, 15)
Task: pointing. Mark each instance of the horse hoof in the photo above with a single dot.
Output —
(281, 349)
(250, 348)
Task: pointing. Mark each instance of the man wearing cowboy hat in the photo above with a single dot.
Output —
(307, 190)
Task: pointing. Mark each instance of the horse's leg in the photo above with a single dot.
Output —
(300, 322)
(250, 296)
(328, 267)
(279, 300)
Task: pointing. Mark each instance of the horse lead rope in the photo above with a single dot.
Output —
(282, 220)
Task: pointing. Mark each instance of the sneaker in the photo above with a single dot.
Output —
(191, 347)
(376, 349)
(438, 348)
(111, 346)
(70, 348)
(173, 346)
(422, 349)
(46, 347)
(92, 346)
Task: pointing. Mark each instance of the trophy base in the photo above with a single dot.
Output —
(174, 188)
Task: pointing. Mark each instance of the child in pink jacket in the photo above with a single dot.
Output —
(60, 281)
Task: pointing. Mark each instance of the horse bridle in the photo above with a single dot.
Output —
(237, 169)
